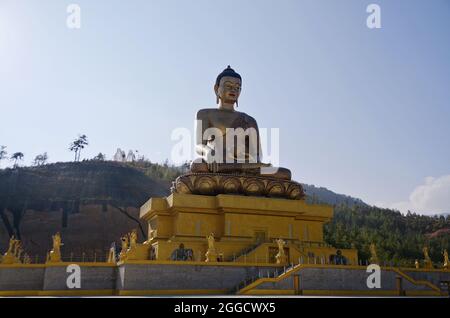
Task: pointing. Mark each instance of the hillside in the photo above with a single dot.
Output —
(399, 238)
(93, 203)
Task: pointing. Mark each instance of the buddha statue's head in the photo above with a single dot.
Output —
(228, 88)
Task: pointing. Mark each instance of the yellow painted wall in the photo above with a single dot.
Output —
(197, 224)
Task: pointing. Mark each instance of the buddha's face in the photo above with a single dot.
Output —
(228, 90)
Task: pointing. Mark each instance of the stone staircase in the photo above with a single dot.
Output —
(267, 273)
(279, 274)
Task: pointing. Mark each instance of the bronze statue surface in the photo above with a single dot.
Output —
(229, 145)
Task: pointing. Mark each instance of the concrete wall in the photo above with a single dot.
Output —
(154, 277)
(433, 277)
(169, 277)
(55, 278)
(16, 278)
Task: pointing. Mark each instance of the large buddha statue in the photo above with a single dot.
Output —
(228, 140)
(229, 145)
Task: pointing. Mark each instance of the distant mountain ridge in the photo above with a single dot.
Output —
(323, 195)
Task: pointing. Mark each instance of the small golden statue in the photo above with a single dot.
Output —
(417, 264)
(210, 239)
(373, 254)
(10, 257)
(281, 256)
(133, 238)
(211, 255)
(427, 261)
(16, 247)
(446, 262)
(12, 244)
(55, 254)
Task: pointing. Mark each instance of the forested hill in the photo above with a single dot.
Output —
(399, 238)
(92, 203)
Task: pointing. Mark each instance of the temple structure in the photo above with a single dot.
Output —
(229, 192)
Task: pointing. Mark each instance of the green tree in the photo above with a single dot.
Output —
(99, 157)
(17, 156)
(41, 159)
(399, 238)
(77, 145)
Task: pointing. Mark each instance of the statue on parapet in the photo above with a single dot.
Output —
(211, 254)
(133, 238)
(281, 257)
(229, 145)
(446, 262)
(55, 254)
(427, 260)
(16, 247)
(373, 254)
(211, 241)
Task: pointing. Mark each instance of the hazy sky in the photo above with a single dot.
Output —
(361, 111)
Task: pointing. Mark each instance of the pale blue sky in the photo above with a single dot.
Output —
(361, 111)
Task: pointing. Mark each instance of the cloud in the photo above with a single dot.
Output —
(432, 197)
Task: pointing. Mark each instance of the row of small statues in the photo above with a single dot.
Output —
(427, 259)
(15, 253)
(212, 255)
(132, 249)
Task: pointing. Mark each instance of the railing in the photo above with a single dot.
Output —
(86, 258)
(276, 272)
(89, 257)
(244, 252)
(272, 273)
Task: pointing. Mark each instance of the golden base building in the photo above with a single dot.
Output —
(245, 229)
